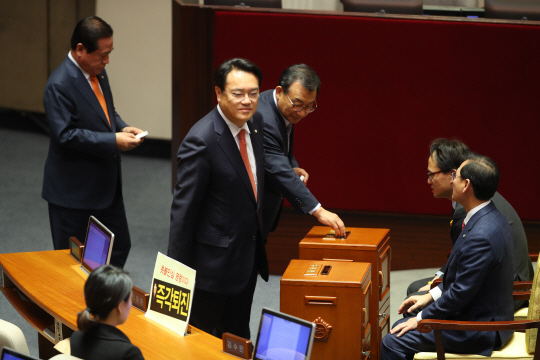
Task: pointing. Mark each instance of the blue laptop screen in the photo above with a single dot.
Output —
(10, 357)
(282, 339)
(96, 247)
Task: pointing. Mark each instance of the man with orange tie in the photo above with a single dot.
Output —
(216, 214)
(82, 172)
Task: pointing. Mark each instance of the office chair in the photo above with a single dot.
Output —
(512, 9)
(251, 3)
(520, 346)
(411, 7)
(12, 337)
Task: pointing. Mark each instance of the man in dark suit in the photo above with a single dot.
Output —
(216, 214)
(82, 172)
(478, 282)
(446, 156)
(292, 100)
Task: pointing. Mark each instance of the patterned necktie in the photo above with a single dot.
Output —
(244, 153)
(289, 129)
(100, 97)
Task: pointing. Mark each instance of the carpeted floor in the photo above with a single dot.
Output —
(24, 224)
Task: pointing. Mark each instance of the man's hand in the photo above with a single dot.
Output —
(428, 286)
(300, 172)
(403, 327)
(127, 141)
(414, 302)
(329, 218)
(132, 130)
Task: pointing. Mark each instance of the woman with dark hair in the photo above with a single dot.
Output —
(108, 302)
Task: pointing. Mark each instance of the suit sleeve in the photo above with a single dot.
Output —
(133, 353)
(475, 259)
(282, 176)
(194, 170)
(61, 109)
(120, 124)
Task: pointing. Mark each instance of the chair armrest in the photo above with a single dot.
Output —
(534, 257)
(436, 283)
(426, 325)
(523, 285)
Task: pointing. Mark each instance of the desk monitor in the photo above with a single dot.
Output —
(10, 354)
(97, 246)
(283, 337)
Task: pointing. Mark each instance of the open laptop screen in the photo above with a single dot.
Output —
(10, 354)
(98, 245)
(283, 337)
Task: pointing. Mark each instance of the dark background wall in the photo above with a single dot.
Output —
(33, 41)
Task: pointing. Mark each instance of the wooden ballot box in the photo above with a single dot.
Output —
(336, 297)
(361, 245)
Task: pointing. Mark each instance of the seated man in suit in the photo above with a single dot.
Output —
(292, 100)
(446, 156)
(478, 282)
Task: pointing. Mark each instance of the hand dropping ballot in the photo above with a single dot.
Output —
(171, 294)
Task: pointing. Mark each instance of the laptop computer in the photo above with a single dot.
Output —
(283, 337)
(97, 245)
(10, 354)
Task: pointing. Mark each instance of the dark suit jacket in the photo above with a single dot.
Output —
(478, 283)
(82, 170)
(523, 269)
(215, 221)
(281, 180)
(103, 342)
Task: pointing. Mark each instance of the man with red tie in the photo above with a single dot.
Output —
(445, 156)
(82, 172)
(216, 214)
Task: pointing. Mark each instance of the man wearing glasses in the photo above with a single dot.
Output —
(292, 100)
(479, 281)
(216, 214)
(445, 157)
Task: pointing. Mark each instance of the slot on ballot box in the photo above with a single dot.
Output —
(335, 296)
(364, 245)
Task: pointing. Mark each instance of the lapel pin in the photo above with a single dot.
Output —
(255, 131)
(103, 77)
(464, 235)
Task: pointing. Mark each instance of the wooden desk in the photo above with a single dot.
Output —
(53, 281)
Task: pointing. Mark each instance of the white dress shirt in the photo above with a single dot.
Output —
(235, 130)
(86, 75)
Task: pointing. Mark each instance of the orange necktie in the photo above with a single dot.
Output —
(100, 97)
(243, 152)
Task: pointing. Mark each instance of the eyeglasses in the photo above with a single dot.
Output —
(454, 175)
(430, 174)
(239, 97)
(309, 109)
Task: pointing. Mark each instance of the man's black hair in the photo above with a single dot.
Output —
(220, 75)
(88, 31)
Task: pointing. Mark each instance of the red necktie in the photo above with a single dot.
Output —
(100, 97)
(244, 153)
(463, 225)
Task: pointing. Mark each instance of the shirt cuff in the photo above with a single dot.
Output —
(314, 209)
(439, 273)
(419, 316)
(435, 293)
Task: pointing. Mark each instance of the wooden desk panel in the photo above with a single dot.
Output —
(51, 280)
